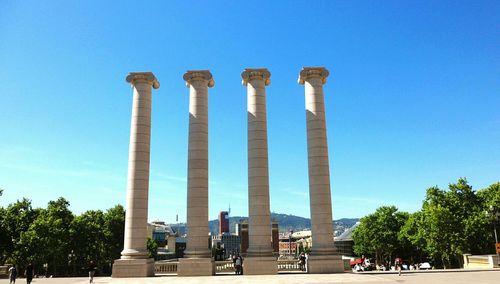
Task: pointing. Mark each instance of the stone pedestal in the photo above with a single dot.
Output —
(259, 258)
(265, 265)
(134, 260)
(195, 267)
(325, 264)
(133, 268)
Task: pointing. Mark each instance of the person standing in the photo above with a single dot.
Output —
(13, 274)
(234, 264)
(238, 265)
(241, 264)
(302, 262)
(29, 273)
(92, 268)
(307, 262)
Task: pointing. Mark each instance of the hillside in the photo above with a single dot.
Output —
(286, 223)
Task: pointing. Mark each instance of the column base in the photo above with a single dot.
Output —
(133, 268)
(260, 265)
(325, 264)
(195, 267)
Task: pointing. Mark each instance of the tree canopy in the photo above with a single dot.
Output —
(58, 240)
(451, 223)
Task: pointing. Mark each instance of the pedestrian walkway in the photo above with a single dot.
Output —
(453, 277)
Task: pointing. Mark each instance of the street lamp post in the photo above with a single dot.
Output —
(492, 210)
(494, 215)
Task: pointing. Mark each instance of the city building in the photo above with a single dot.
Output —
(223, 222)
(287, 245)
(180, 246)
(345, 242)
(159, 231)
(290, 243)
(231, 244)
(275, 236)
(242, 231)
(228, 244)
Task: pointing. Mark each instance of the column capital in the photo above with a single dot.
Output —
(313, 72)
(256, 73)
(143, 77)
(202, 75)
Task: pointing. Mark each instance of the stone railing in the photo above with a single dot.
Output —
(4, 271)
(165, 267)
(480, 261)
(170, 267)
(288, 265)
(224, 266)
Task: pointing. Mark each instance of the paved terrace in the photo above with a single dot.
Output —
(449, 277)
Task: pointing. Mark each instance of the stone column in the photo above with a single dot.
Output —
(197, 259)
(260, 259)
(323, 257)
(134, 261)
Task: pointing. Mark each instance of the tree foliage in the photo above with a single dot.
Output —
(451, 222)
(56, 239)
(152, 247)
(377, 233)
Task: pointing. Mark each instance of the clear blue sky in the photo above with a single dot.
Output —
(413, 99)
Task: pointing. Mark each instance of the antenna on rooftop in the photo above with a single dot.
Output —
(229, 211)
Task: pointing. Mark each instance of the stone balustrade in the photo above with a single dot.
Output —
(224, 266)
(165, 267)
(288, 265)
(481, 261)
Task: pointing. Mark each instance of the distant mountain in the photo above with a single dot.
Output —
(343, 224)
(286, 223)
(291, 222)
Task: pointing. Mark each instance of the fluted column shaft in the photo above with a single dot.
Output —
(319, 170)
(259, 223)
(197, 183)
(138, 166)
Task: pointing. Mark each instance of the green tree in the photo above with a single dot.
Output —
(15, 220)
(412, 237)
(301, 248)
(54, 236)
(4, 236)
(490, 198)
(88, 239)
(467, 208)
(114, 230)
(48, 239)
(377, 234)
(152, 247)
(454, 222)
(443, 242)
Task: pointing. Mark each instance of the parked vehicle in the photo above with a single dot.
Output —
(425, 265)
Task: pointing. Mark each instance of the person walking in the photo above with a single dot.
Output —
(29, 273)
(399, 265)
(92, 268)
(13, 274)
